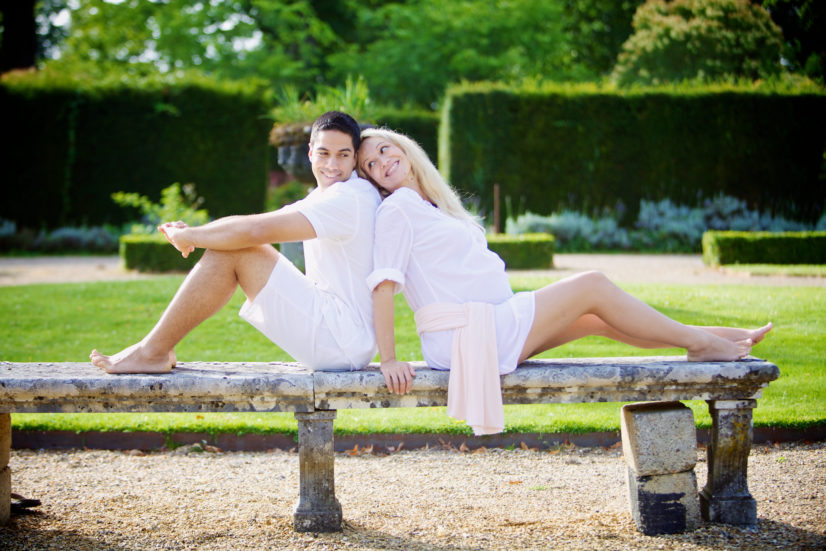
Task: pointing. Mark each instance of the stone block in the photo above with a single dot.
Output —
(658, 437)
(5, 495)
(5, 439)
(664, 504)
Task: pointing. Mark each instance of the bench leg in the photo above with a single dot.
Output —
(318, 509)
(5, 471)
(726, 496)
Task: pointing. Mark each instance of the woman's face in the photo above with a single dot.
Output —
(385, 163)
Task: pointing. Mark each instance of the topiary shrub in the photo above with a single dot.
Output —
(153, 253)
(729, 247)
(524, 252)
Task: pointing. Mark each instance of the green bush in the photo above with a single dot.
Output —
(178, 203)
(699, 39)
(153, 253)
(723, 247)
(588, 148)
(71, 144)
(420, 125)
(524, 252)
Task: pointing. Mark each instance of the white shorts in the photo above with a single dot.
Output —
(288, 311)
(514, 319)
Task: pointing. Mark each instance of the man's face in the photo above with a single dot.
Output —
(332, 157)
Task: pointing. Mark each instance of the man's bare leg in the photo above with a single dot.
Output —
(207, 288)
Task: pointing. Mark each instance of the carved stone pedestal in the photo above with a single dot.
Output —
(726, 496)
(318, 509)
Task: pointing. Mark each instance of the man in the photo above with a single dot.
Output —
(323, 319)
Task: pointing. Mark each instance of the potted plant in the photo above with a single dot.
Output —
(295, 114)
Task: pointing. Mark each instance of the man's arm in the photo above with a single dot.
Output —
(239, 232)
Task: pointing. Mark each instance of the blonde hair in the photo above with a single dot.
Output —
(435, 188)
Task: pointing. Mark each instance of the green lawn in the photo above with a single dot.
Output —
(64, 322)
(795, 270)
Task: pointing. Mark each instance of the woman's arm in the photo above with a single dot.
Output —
(398, 375)
(239, 232)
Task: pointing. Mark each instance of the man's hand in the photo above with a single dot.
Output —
(173, 231)
(398, 376)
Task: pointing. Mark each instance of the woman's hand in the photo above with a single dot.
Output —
(174, 233)
(398, 376)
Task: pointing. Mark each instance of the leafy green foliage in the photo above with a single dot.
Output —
(523, 252)
(661, 226)
(78, 139)
(178, 203)
(597, 30)
(590, 147)
(699, 39)
(410, 52)
(153, 253)
(278, 41)
(803, 23)
(353, 98)
(730, 247)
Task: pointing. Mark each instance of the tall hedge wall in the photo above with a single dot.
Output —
(588, 148)
(422, 126)
(68, 147)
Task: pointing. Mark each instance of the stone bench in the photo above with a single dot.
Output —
(730, 388)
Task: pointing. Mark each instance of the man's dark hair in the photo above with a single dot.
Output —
(336, 120)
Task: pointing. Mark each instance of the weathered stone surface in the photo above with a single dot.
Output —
(658, 437)
(5, 495)
(726, 497)
(5, 439)
(196, 386)
(562, 381)
(318, 510)
(664, 504)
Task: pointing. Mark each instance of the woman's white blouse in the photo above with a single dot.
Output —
(434, 257)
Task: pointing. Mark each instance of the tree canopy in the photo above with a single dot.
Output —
(699, 39)
(408, 51)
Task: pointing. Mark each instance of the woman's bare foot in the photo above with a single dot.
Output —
(135, 359)
(736, 334)
(719, 349)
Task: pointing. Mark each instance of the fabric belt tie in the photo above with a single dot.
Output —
(474, 392)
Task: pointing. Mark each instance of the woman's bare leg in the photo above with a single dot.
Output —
(589, 325)
(563, 309)
(206, 289)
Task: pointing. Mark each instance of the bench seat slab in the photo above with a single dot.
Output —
(579, 380)
(195, 386)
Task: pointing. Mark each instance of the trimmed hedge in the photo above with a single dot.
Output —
(588, 148)
(421, 126)
(153, 253)
(729, 247)
(523, 252)
(70, 145)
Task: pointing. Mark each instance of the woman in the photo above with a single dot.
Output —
(429, 247)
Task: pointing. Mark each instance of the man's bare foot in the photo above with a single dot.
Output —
(719, 349)
(736, 334)
(134, 359)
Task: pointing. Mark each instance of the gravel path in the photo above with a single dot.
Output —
(572, 498)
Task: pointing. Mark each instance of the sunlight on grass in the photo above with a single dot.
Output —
(64, 322)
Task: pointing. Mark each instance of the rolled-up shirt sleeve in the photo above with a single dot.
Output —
(391, 247)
